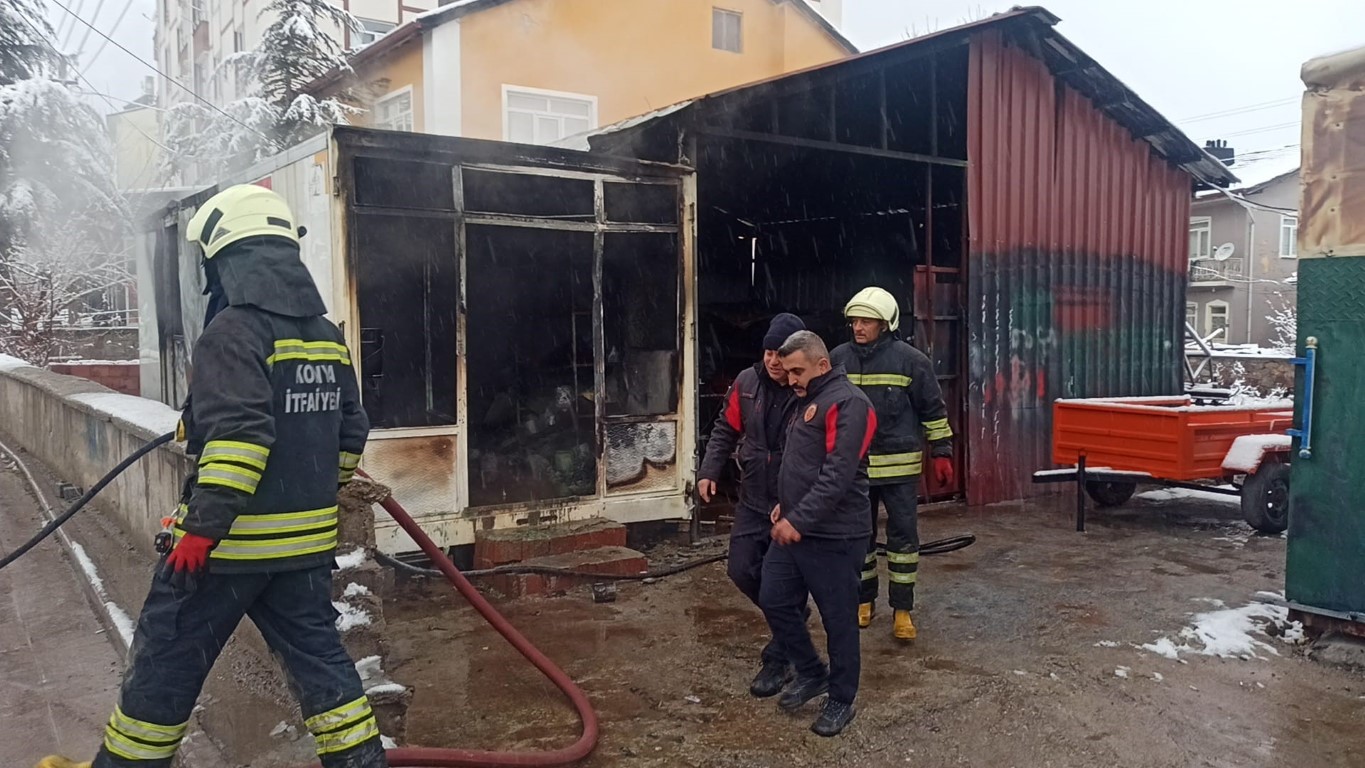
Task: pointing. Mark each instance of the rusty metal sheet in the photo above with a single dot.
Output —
(1333, 157)
(1076, 266)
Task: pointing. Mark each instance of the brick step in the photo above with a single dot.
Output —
(514, 545)
(614, 561)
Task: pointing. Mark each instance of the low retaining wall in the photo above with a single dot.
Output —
(81, 430)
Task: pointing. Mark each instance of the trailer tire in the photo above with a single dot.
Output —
(1109, 494)
(1265, 498)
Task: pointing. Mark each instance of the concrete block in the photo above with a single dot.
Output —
(513, 545)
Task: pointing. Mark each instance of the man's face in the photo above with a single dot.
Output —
(773, 363)
(800, 370)
(865, 329)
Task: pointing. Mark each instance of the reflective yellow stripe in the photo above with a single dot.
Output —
(274, 549)
(349, 460)
(143, 729)
(879, 379)
(231, 476)
(337, 716)
(902, 557)
(128, 749)
(284, 523)
(870, 559)
(346, 476)
(312, 351)
(900, 470)
(242, 453)
(342, 740)
(888, 459)
(937, 429)
(902, 578)
(870, 575)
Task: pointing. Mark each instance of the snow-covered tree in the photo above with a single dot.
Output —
(24, 52)
(1284, 319)
(296, 49)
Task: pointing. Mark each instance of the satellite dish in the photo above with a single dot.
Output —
(1224, 252)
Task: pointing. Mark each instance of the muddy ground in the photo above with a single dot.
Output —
(1007, 670)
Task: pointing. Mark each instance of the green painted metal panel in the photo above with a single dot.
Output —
(1326, 553)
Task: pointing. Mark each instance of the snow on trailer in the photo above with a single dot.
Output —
(519, 317)
(1114, 444)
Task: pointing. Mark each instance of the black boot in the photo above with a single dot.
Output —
(802, 690)
(833, 719)
(771, 679)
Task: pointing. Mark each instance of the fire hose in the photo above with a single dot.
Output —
(416, 757)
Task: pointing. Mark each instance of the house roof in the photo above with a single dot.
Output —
(1067, 62)
(458, 9)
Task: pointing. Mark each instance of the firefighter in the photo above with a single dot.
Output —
(275, 421)
(755, 416)
(900, 382)
(819, 526)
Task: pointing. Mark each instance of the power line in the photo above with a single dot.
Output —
(1263, 129)
(1240, 110)
(67, 25)
(170, 79)
(99, 6)
(94, 56)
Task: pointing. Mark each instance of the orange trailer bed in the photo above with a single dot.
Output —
(1166, 437)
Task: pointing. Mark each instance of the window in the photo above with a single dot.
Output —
(238, 41)
(544, 117)
(1289, 237)
(1215, 319)
(394, 111)
(726, 30)
(371, 30)
(1201, 237)
(1192, 314)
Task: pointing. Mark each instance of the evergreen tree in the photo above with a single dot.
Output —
(24, 51)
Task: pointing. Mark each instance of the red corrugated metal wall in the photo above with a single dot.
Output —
(1076, 266)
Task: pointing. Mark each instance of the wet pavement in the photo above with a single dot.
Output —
(58, 673)
(1028, 655)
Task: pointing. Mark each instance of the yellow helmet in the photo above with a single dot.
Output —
(877, 304)
(239, 212)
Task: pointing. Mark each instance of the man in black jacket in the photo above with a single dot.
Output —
(900, 382)
(820, 526)
(276, 423)
(755, 417)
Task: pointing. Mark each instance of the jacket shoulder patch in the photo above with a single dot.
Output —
(810, 412)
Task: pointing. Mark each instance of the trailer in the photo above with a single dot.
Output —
(1110, 446)
(522, 321)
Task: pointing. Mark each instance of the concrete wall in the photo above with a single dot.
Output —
(81, 430)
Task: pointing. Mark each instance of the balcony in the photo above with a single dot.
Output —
(1210, 273)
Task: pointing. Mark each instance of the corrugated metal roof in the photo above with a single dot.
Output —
(1067, 63)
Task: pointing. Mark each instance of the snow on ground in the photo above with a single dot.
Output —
(1248, 450)
(151, 415)
(353, 589)
(9, 363)
(351, 617)
(353, 559)
(1122, 672)
(1232, 632)
(123, 623)
(1187, 494)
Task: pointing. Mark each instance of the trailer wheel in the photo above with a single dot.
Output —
(1265, 498)
(1109, 494)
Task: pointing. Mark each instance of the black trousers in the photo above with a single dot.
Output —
(825, 570)
(179, 636)
(744, 566)
(902, 544)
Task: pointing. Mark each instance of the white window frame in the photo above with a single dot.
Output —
(508, 90)
(365, 31)
(391, 96)
(1289, 224)
(1227, 318)
(1204, 223)
(716, 13)
(1192, 314)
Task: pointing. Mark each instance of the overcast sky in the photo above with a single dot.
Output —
(1188, 58)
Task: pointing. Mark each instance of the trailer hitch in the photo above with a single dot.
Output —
(1309, 361)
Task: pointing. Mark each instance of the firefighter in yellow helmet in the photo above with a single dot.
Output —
(275, 422)
(900, 382)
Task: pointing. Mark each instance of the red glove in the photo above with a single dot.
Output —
(191, 554)
(943, 470)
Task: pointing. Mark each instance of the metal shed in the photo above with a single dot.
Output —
(1029, 210)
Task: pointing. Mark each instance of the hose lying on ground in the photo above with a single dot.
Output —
(940, 547)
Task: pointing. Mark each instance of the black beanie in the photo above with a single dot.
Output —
(780, 329)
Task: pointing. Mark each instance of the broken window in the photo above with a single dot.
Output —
(640, 323)
(408, 292)
(531, 387)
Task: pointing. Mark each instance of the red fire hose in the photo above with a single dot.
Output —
(406, 757)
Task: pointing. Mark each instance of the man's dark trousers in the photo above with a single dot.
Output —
(902, 544)
(826, 570)
(744, 565)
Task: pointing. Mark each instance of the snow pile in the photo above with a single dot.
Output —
(1231, 633)
(353, 559)
(351, 617)
(1188, 494)
(353, 590)
(8, 363)
(122, 622)
(1248, 450)
(151, 415)
(1122, 672)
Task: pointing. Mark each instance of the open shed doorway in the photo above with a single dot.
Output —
(807, 196)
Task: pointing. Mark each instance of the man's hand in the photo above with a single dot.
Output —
(776, 514)
(784, 532)
(706, 489)
(943, 470)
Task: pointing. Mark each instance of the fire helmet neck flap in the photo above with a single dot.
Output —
(876, 304)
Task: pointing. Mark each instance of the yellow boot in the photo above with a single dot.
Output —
(904, 628)
(864, 615)
(57, 761)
